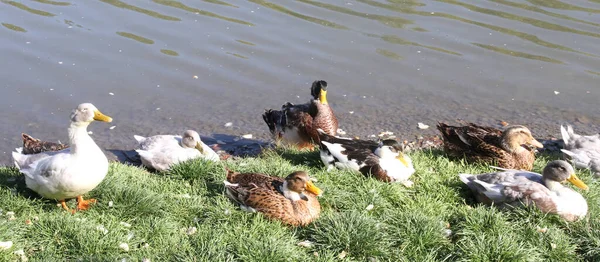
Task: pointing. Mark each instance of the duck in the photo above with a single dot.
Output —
(297, 125)
(583, 151)
(161, 152)
(512, 148)
(71, 172)
(383, 160)
(33, 145)
(291, 200)
(512, 188)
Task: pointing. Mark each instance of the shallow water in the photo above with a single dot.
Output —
(165, 66)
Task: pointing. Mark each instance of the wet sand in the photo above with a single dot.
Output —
(389, 65)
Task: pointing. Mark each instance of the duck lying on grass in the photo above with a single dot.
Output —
(297, 124)
(35, 146)
(509, 149)
(584, 151)
(513, 187)
(292, 200)
(71, 172)
(160, 152)
(384, 160)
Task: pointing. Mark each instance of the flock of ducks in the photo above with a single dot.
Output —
(62, 172)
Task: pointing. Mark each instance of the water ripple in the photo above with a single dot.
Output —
(123, 5)
(284, 10)
(28, 9)
(181, 6)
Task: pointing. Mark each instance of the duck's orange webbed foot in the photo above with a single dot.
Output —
(84, 204)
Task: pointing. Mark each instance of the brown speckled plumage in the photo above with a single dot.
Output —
(486, 145)
(34, 146)
(304, 119)
(264, 194)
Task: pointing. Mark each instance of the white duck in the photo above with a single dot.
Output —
(160, 152)
(516, 187)
(71, 172)
(383, 160)
(584, 151)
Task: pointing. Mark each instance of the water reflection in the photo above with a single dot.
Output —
(245, 42)
(14, 27)
(527, 20)
(123, 5)
(236, 55)
(181, 6)
(284, 10)
(399, 41)
(386, 20)
(517, 53)
(169, 52)
(542, 11)
(135, 37)
(388, 53)
(28, 9)
(53, 2)
(560, 5)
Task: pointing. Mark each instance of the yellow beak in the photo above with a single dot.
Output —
(402, 159)
(323, 96)
(310, 187)
(536, 143)
(98, 116)
(577, 182)
(199, 147)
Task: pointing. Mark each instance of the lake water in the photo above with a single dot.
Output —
(165, 66)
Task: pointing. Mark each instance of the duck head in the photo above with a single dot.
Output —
(514, 137)
(86, 113)
(191, 139)
(559, 171)
(296, 184)
(390, 148)
(319, 91)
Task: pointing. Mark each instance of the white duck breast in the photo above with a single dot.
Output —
(397, 170)
(72, 172)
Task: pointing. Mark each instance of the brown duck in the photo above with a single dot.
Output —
(509, 149)
(297, 124)
(292, 200)
(35, 146)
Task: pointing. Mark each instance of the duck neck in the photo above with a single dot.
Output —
(289, 194)
(78, 137)
(554, 186)
(511, 146)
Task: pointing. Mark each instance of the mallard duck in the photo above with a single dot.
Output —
(514, 187)
(509, 149)
(292, 200)
(584, 151)
(34, 146)
(72, 172)
(297, 124)
(384, 160)
(160, 152)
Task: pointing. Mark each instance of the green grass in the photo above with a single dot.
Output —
(436, 220)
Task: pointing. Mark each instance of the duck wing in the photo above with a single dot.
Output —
(254, 180)
(459, 140)
(157, 142)
(347, 142)
(33, 145)
(576, 141)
